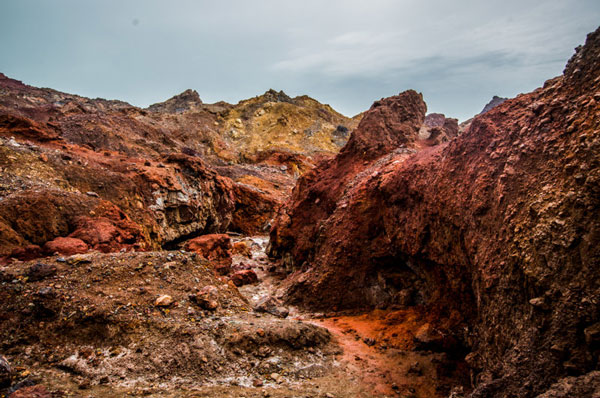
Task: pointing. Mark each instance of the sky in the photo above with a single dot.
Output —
(345, 53)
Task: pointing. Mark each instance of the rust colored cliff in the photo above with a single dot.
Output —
(495, 234)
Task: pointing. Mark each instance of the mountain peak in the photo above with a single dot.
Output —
(276, 96)
(178, 103)
(494, 102)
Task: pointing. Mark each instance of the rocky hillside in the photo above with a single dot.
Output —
(256, 129)
(80, 173)
(494, 234)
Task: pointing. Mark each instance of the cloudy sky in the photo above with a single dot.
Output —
(346, 53)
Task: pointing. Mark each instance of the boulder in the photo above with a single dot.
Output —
(213, 247)
(66, 246)
(242, 248)
(244, 277)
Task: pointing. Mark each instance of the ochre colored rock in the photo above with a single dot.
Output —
(242, 248)
(66, 246)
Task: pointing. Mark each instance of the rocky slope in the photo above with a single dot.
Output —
(72, 327)
(494, 235)
(104, 175)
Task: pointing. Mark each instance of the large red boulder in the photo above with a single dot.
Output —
(390, 128)
(66, 246)
(214, 247)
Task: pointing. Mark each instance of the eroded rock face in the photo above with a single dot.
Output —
(496, 232)
(186, 101)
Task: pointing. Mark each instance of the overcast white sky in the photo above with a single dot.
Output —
(346, 53)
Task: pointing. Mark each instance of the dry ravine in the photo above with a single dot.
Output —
(178, 328)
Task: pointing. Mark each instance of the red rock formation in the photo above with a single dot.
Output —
(26, 253)
(27, 128)
(390, 126)
(496, 232)
(254, 208)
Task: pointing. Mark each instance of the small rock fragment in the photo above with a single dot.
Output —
(5, 372)
(207, 298)
(163, 301)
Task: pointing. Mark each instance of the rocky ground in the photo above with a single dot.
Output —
(167, 324)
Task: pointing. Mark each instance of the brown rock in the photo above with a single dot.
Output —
(207, 298)
(271, 305)
(390, 123)
(257, 383)
(5, 372)
(244, 277)
(242, 248)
